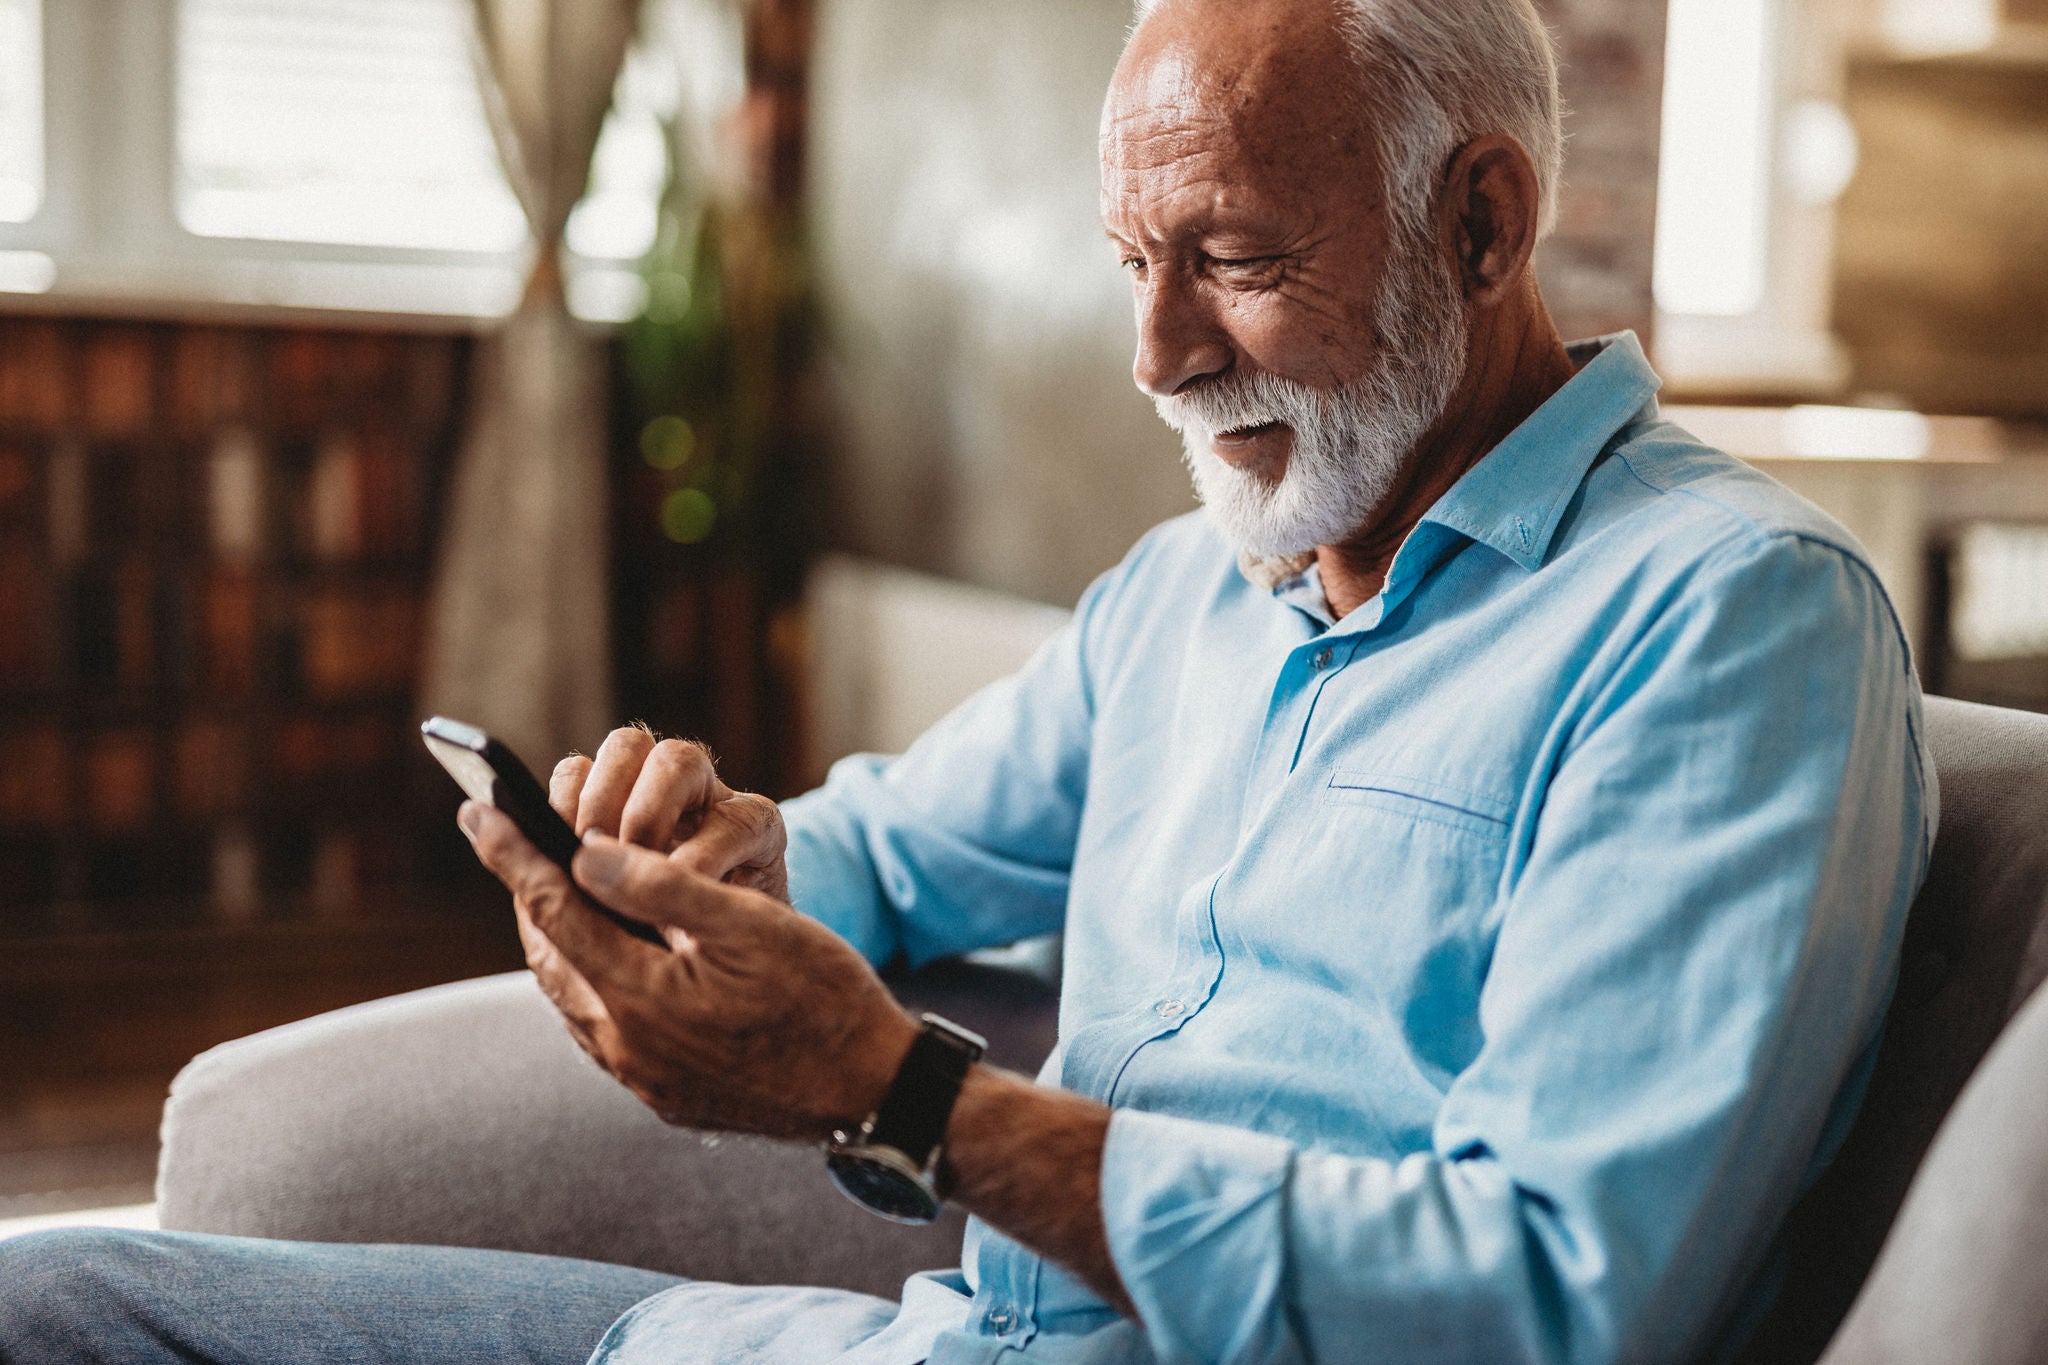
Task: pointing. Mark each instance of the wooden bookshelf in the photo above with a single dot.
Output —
(215, 544)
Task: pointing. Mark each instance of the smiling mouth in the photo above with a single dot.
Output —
(1238, 435)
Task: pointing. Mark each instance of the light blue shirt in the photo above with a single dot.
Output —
(1477, 978)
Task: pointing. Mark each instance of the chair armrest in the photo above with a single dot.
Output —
(465, 1116)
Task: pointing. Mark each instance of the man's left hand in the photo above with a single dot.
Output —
(754, 1018)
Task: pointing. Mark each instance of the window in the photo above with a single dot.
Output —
(307, 154)
(353, 122)
(1756, 150)
(21, 110)
(1713, 191)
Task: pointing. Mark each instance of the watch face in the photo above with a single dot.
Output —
(883, 1186)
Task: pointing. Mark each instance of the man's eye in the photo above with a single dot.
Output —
(1134, 264)
(1245, 265)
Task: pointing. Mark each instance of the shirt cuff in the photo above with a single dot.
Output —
(1189, 1206)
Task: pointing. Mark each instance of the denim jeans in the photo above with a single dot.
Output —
(138, 1298)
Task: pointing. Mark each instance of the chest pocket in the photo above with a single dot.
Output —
(1417, 798)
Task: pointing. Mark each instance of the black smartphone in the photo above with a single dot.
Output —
(489, 772)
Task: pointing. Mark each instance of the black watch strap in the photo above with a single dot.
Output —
(912, 1117)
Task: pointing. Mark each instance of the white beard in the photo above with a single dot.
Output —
(1350, 444)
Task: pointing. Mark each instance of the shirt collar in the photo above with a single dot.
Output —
(1513, 499)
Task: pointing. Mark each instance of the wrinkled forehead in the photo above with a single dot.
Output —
(1264, 80)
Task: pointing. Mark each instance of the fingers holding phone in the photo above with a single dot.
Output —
(666, 795)
(638, 789)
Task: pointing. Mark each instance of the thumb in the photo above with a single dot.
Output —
(644, 884)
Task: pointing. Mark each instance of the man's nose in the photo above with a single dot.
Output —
(1178, 341)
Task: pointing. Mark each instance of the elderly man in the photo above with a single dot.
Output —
(1482, 840)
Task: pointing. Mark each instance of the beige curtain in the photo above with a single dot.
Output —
(519, 639)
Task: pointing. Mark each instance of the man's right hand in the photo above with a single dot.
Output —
(665, 795)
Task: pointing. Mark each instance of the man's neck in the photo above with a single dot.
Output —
(1518, 361)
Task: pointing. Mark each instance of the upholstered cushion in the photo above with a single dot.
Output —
(1976, 947)
(1963, 1279)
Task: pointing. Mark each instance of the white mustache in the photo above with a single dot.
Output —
(1235, 402)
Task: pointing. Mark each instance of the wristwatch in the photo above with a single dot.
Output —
(890, 1164)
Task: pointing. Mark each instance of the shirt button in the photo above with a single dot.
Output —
(1169, 1009)
(1322, 660)
(1002, 1320)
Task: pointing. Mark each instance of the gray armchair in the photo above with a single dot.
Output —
(464, 1115)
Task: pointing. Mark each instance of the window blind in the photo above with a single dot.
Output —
(353, 122)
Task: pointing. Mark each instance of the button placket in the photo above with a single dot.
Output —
(1323, 668)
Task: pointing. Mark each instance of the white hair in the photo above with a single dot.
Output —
(1443, 72)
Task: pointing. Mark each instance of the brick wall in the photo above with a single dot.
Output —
(1596, 270)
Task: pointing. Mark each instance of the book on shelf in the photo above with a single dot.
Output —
(137, 650)
(22, 499)
(112, 626)
(212, 379)
(35, 779)
(301, 387)
(335, 878)
(297, 752)
(358, 642)
(118, 382)
(68, 506)
(389, 496)
(234, 496)
(229, 649)
(236, 874)
(209, 770)
(28, 870)
(174, 632)
(93, 612)
(333, 502)
(117, 778)
(431, 377)
(307, 752)
(25, 619)
(35, 375)
(359, 498)
(365, 744)
(193, 388)
(118, 505)
(364, 369)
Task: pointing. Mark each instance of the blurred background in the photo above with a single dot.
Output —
(756, 368)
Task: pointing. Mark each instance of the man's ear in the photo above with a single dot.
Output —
(1490, 209)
